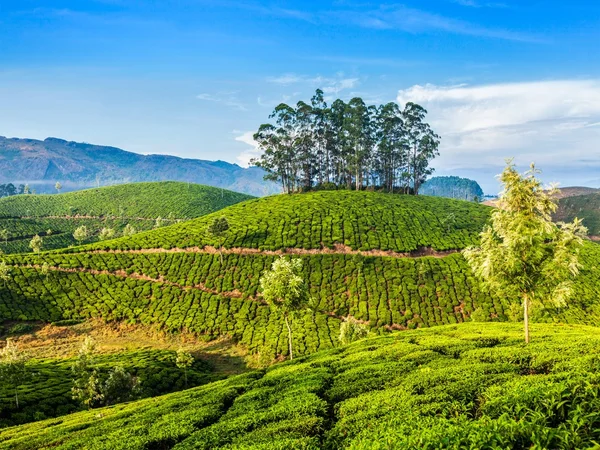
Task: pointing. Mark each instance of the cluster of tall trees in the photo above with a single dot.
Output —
(6, 190)
(347, 145)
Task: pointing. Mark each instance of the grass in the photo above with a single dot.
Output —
(457, 386)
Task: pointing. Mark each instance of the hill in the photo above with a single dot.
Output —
(55, 217)
(453, 187)
(586, 207)
(458, 386)
(572, 191)
(389, 261)
(80, 165)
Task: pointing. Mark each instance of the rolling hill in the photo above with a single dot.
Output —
(389, 261)
(81, 165)
(55, 217)
(457, 386)
(586, 207)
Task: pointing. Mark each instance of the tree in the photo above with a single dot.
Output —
(4, 272)
(4, 235)
(45, 269)
(184, 360)
(86, 383)
(129, 230)
(80, 234)
(284, 289)
(106, 233)
(218, 229)
(58, 186)
(13, 367)
(159, 222)
(352, 330)
(26, 189)
(523, 254)
(36, 243)
(120, 386)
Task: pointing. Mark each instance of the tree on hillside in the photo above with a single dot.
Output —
(106, 233)
(4, 235)
(284, 289)
(80, 234)
(184, 360)
(86, 382)
(523, 254)
(36, 243)
(129, 230)
(4, 272)
(120, 386)
(13, 367)
(346, 145)
(218, 229)
(352, 330)
(58, 186)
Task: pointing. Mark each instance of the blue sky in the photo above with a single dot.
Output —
(195, 78)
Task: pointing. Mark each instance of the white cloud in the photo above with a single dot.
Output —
(226, 98)
(329, 85)
(244, 158)
(553, 123)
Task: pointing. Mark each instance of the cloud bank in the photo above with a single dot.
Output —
(554, 123)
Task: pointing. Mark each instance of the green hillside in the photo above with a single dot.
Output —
(48, 392)
(586, 207)
(55, 217)
(360, 220)
(190, 289)
(458, 386)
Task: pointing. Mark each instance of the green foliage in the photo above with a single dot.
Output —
(4, 272)
(360, 220)
(184, 360)
(36, 244)
(352, 330)
(13, 368)
(522, 252)
(86, 383)
(47, 392)
(124, 208)
(80, 234)
(458, 386)
(106, 233)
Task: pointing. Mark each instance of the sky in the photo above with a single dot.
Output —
(195, 78)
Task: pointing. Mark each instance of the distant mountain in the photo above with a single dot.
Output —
(79, 165)
(452, 187)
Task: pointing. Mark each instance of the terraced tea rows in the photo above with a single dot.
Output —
(48, 391)
(458, 386)
(134, 200)
(194, 291)
(360, 220)
(55, 217)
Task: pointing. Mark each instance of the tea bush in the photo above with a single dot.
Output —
(457, 386)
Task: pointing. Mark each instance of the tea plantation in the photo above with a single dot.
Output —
(192, 290)
(55, 217)
(47, 392)
(457, 386)
(315, 220)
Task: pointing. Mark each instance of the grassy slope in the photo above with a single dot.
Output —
(361, 220)
(138, 204)
(458, 386)
(586, 207)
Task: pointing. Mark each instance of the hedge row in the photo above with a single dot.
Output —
(361, 220)
(458, 386)
(47, 392)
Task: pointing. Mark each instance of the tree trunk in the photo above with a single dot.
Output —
(526, 317)
(17, 397)
(287, 323)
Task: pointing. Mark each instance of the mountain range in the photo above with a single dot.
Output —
(80, 165)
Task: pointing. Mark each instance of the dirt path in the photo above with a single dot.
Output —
(338, 249)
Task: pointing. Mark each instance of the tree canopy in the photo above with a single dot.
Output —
(523, 254)
(351, 145)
